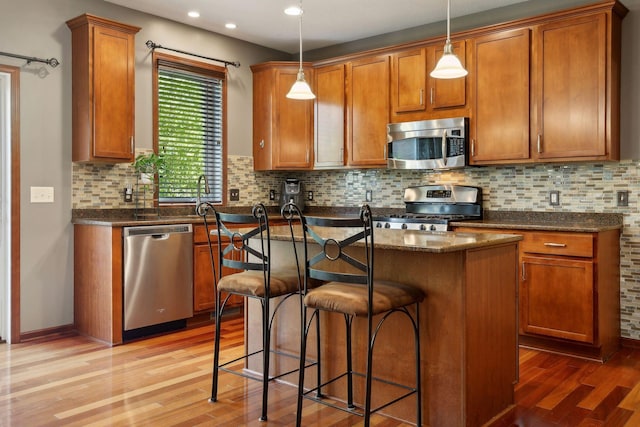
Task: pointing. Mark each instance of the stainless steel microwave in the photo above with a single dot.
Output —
(428, 144)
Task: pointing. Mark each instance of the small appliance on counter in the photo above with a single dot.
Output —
(292, 191)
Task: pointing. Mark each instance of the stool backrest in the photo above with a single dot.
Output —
(234, 232)
(346, 247)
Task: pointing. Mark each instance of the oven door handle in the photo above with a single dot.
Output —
(444, 147)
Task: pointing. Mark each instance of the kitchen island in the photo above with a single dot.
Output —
(468, 324)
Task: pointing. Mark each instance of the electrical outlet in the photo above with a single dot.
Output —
(272, 194)
(554, 198)
(623, 198)
(309, 195)
(368, 195)
(234, 195)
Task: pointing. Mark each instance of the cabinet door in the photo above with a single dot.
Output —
(329, 116)
(408, 81)
(367, 110)
(557, 298)
(203, 287)
(446, 93)
(500, 125)
(293, 128)
(570, 88)
(113, 96)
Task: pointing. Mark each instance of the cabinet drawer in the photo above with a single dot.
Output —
(568, 244)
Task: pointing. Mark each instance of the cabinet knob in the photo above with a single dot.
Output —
(261, 143)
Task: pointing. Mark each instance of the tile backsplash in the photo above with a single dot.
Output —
(582, 187)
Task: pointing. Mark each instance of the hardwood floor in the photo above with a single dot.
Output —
(165, 381)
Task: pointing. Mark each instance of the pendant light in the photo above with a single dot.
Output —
(300, 89)
(449, 66)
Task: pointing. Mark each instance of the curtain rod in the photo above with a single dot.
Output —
(151, 45)
(52, 62)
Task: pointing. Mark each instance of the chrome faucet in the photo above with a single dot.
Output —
(207, 190)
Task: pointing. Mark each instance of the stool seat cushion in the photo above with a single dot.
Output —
(251, 282)
(352, 299)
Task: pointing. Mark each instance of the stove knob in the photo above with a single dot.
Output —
(423, 227)
(387, 225)
(404, 226)
(433, 227)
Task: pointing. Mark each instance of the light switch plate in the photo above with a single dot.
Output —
(234, 195)
(554, 198)
(41, 194)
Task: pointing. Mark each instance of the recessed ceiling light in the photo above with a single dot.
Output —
(293, 11)
(230, 25)
(194, 14)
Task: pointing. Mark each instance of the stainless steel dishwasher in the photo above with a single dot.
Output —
(158, 278)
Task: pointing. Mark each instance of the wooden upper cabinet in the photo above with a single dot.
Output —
(446, 93)
(329, 116)
(282, 127)
(500, 73)
(408, 81)
(367, 110)
(103, 90)
(570, 120)
(415, 95)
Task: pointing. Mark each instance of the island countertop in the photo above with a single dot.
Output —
(410, 240)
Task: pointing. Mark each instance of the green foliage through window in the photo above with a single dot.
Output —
(190, 131)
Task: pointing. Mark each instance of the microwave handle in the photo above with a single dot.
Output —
(444, 147)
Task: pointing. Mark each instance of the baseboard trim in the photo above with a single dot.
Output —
(630, 343)
(48, 333)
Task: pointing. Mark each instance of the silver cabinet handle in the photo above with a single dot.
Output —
(473, 148)
(555, 245)
(431, 96)
(539, 143)
(421, 96)
(307, 156)
(261, 143)
(131, 148)
(384, 153)
(524, 276)
(444, 147)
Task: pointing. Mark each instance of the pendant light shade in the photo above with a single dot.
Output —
(449, 66)
(300, 89)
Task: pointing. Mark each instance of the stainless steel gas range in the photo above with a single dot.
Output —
(433, 207)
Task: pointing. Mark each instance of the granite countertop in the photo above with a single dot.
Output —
(409, 240)
(547, 221)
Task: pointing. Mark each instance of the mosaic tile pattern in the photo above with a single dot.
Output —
(584, 187)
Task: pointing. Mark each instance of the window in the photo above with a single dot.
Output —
(189, 99)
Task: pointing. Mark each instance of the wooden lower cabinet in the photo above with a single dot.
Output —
(203, 285)
(569, 291)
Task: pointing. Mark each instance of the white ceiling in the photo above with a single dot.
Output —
(325, 22)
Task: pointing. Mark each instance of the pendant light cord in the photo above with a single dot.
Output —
(300, 33)
(449, 20)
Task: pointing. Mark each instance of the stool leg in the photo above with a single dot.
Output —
(348, 322)
(266, 350)
(369, 367)
(216, 351)
(319, 356)
(418, 373)
(303, 358)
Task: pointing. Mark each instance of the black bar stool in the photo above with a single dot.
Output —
(256, 279)
(345, 263)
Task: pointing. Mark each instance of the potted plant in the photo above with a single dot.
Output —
(147, 165)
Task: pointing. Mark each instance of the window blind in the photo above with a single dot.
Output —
(190, 132)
